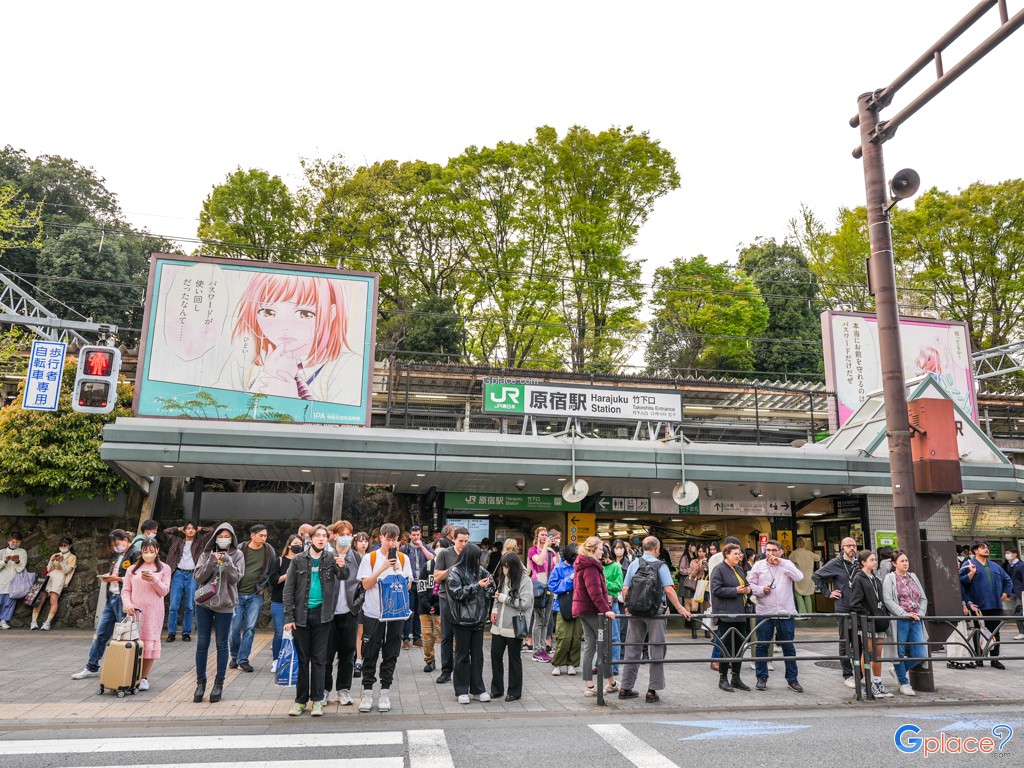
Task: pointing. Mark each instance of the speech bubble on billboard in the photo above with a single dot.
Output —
(196, 310)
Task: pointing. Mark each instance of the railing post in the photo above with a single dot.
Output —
(603, 635)
(853, 652)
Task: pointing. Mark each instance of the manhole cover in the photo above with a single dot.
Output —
(829, 664)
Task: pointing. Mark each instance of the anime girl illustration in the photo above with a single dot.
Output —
(292, 332)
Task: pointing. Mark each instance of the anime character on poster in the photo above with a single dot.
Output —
(293, 335)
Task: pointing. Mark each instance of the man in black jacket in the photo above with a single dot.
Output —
(261, 569)
(835, 580)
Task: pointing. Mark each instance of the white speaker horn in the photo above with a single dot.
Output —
(684, 494)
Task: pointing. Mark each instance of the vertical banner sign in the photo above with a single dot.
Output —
(45, 370)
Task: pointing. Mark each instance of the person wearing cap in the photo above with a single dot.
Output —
(418, 553)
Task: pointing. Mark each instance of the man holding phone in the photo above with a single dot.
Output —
(382, 636)
(772, 580)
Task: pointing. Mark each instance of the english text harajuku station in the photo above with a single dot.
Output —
(267, 372)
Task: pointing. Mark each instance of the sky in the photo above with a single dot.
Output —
(752, 98)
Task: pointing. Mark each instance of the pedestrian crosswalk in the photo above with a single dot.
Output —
(383, 749)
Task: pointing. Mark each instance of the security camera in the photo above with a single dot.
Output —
(992, 495)
(816, 493)
(709, 491)
(344, 477)
(520, 485)
(756, 492)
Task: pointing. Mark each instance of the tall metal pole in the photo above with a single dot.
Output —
(882, 276)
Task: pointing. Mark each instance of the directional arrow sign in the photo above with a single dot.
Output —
(734, 729)
(581, 527)
(604, 504)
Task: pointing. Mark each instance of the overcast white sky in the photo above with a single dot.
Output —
(752, 98)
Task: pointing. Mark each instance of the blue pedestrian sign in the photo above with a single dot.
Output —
(45, 371)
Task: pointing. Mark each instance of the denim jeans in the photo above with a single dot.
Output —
(277, 614)
(243, 626)
(616, 638)
(206, 623)
(782, 630)
(909, 639)
(183, 593)
(112, 613)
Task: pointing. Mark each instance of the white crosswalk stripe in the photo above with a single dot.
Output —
(426, 749)
(633, 748)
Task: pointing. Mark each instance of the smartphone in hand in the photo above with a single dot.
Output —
(392, 554)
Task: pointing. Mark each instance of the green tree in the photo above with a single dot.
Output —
(433, 332)
(251, 214)
(703, 317)
(966, 252)
(791, 342)
(54, 457)
(20, 223)
(598, 190)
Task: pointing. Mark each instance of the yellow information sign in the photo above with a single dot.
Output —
(786, 540)
(579, 527)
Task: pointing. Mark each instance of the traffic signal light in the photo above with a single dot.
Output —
(96, 380)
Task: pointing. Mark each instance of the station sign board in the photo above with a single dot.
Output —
(509, 502)
(512, 398)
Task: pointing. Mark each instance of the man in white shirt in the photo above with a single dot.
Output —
(772, 580)
(381, 638)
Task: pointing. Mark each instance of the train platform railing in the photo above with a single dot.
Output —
(962, 641)
(744, 641)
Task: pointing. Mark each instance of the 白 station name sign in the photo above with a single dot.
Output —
(539, 399)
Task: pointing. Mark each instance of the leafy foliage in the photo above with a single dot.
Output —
(251, 209)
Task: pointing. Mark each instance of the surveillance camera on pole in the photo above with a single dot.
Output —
(96, 380)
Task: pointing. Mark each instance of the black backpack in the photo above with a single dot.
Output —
(645, 590)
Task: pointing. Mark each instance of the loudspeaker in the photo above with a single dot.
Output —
(905, 184)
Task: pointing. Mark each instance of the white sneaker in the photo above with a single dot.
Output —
(880, 691)
(384, 702)
(46, 626)
(771, 667)
(906, 690)
(750, 666)
(590, 691)
(143, 684)
(4, 625)
(484, 697)
(848, 682)
(464, 698)
(84, 674)
(344, 698)
(33, 625)
(571, 670)
(1016, 637)
(366, 703)
(273, 667)
(556, 671)
(611, 687)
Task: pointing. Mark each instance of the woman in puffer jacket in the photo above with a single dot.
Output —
(589, 600)
(470, 590)
(223, 564)
(514, 597)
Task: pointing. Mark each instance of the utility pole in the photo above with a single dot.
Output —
(881, 270)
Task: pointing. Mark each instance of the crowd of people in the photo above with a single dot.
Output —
(352, 601)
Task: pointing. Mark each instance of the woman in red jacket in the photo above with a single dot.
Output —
(589, 600)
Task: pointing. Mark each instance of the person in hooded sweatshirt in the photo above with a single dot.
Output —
(221, 563)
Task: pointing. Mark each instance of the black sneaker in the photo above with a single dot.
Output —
(652, 697)
(628, 693)
(723, 684)
(245, 666)
(170, 637)
(997, 664)
(762, 684)
(357, 671)
(444, 677)
(739, 684)
(795, 686)
(429, 667)
(233, 664)
(186, 637)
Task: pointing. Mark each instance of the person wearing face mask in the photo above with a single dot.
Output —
(223, 564)
(310, 596)
(112, 611)
(59, 570)
(344, 625)
(291, 548)
(147, 532)
(12, 562)
(146, 584)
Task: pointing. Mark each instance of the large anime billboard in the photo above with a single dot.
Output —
(936, 348)
(238, 339)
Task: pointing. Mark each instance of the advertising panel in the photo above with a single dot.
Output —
(930, 348)
(240, 339)
(542, 399)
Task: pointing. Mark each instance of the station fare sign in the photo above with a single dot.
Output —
(515, 398)
(509, 502)
(45, 371)
(752, 508)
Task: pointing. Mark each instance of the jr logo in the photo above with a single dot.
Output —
(505, 397)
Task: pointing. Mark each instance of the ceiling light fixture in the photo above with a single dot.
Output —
(305, 470)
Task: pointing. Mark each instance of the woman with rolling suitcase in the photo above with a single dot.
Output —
(146, 584)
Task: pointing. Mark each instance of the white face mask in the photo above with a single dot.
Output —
(149, 557)
(120, 548)
(65, 550)
(223, 543)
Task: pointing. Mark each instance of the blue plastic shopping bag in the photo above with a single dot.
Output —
(287, 662)
(394, 597)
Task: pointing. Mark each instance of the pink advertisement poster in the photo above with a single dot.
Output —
(936, 348)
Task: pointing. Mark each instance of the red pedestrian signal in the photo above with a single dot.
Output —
(96, 380)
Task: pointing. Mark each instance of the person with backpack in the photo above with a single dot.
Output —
(646, 588)
(386, 575)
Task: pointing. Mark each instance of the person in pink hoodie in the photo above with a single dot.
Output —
(589, 600)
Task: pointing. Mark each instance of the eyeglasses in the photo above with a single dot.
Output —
(772, 551)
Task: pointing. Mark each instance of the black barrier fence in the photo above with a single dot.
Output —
(964, 640)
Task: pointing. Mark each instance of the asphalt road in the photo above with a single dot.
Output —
(793, 738)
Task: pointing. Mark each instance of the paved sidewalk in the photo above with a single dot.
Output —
(36, 688)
